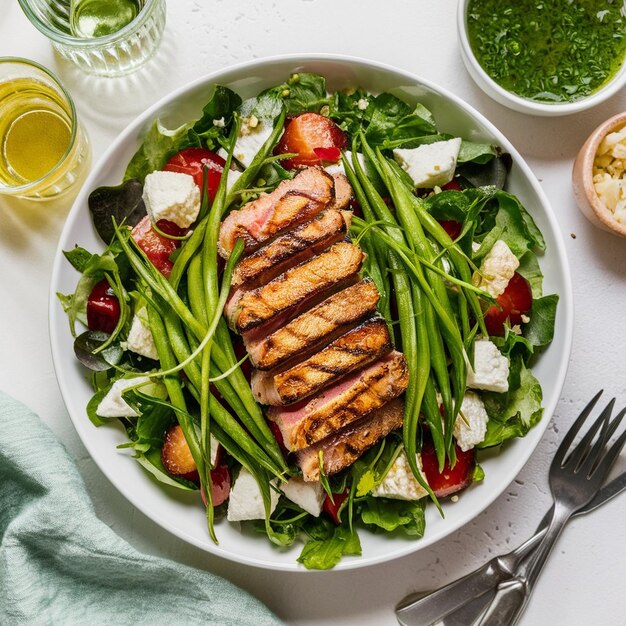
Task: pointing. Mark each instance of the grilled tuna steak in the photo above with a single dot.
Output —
(343, 192)
(295, 246)
(343, 448)
(308, 422)
(358, 347)
(293, 202)
(318, 326)
(303, 285)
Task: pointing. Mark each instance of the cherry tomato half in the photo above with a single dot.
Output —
(192, 160)
(103, 308)
(516, 301)
(451, 479)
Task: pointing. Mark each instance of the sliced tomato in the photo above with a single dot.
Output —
(452, 227)
(156, 247)
(103, 308)
(192, 160)
(314, 138)
(516, 301)
(331, 507)
(451, 479)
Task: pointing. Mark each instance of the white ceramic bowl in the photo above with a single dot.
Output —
(181, 513)
(525, 105)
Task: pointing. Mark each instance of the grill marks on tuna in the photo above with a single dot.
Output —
(357, 348)
(317, 326)
(295, 246)
(324, 360)
(308, 422)
(292, 203)
(341, 449)
(307, 283)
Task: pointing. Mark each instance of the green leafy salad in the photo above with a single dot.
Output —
(219, 252)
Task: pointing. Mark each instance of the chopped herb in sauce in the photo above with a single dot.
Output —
(548, 50)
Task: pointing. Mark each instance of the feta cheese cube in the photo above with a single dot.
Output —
(171, 196)
(362, 104)
(245, 501)
(338, 168)
(251, 138)
(113, 405)
(471, 425)
(491, 368)
(431, 164)
(309, 496)
(399, 483)
(140, 339)
(497, 269)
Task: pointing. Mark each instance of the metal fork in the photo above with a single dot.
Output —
(575, 477)
(463, 601)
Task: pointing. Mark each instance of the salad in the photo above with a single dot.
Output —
(313, 309)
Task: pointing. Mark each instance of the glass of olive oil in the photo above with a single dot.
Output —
(43, 148)
(104, 37)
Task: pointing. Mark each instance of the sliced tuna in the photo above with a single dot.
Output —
(310, 421)
(298, 288)
(301, 336)
(343, 192)
(295, 246)
(357, 348)
(293, 202)
(346, 446)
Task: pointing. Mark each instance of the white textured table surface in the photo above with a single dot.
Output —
(583, 582)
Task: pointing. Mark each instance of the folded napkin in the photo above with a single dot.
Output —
(59, 564)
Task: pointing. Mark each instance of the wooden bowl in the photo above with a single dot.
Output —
(582, 179)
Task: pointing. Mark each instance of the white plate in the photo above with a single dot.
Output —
(182, 514)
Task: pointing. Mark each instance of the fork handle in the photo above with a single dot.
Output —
(512, 594)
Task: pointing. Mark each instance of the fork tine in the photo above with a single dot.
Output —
(605, 464)
(593, 454)
(581, 451)
(573, 431)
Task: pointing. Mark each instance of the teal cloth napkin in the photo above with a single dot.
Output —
(59, 564)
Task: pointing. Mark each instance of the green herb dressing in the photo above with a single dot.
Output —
(548, 50)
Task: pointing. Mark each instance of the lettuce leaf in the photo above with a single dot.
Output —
(390, 515)
(326, 552)
(540, 329)
(514, 413)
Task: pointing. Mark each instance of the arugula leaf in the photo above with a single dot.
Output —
(390, 515)
(326, 553)
(475, 152)
(301, 93)
(78, 257)
(391, 119)
(514, 413)
(483, 172)
(540, 329)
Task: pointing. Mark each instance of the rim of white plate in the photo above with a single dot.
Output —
(81, 423)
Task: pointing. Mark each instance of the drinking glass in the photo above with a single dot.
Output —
(114, 54)
(44, 150)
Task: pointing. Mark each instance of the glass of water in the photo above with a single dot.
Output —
(105, 37)
(44, 150)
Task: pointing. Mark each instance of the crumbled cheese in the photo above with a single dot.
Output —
(431, 164)
(245, 501)
(497, 269)
(113, 405)
(219, 123)
(454, 498)
(171, 196)
(140, 339)
(309, 496)
(609, 170)
(491, 368)
(362, 104)
(525, 319)
(399, 483)
(471, 424)
(338, 168)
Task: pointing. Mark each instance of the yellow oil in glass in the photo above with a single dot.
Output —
(90, 19)
(35, 131)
